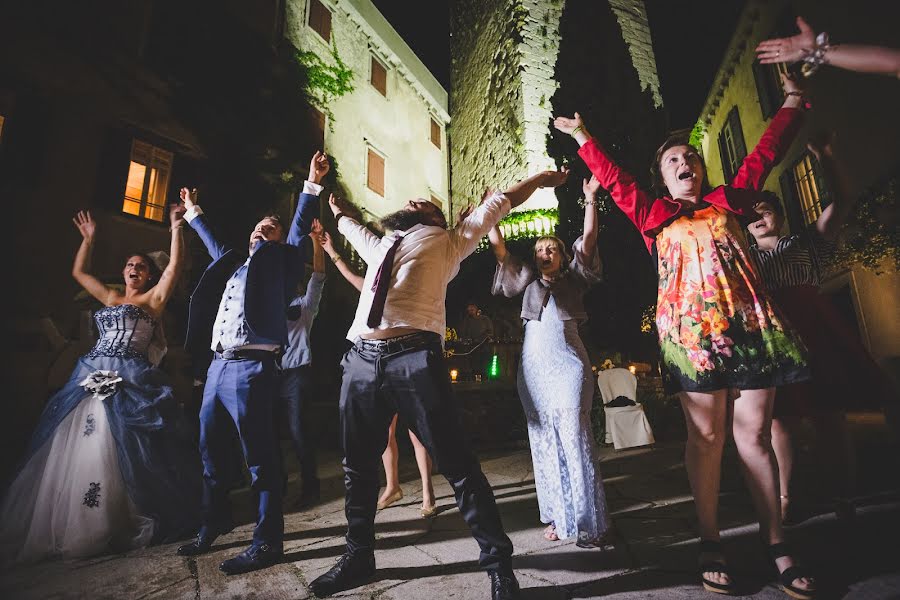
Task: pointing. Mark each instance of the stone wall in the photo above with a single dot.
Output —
(632, 18)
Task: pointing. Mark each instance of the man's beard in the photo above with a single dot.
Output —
(404, 219)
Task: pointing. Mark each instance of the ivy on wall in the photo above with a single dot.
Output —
(526, 224)
(695, 139)
(325, 82)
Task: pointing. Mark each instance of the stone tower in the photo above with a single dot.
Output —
(503, 78)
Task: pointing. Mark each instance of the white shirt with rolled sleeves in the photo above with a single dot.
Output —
(426, 260)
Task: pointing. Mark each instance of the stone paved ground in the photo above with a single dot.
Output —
(434, 559)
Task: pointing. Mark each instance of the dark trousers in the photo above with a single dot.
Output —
(244, 392)
(410, 378)
(294, 396)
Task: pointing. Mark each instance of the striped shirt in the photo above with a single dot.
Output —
(796, 260)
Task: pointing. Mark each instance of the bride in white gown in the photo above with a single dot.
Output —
(105, 469)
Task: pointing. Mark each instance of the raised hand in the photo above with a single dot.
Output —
(787, 49)
(464, 212)
(337, 205)
(316, 230)
(590, 187)
(555, 178)
(86, 225)
(176, 215)
(318, 166)
(325, 240)
(568, 125)
(189, 197)
(790, 85)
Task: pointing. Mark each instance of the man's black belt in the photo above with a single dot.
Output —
(399, 343)
(247, 354)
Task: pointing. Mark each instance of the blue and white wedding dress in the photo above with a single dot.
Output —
(106, 469)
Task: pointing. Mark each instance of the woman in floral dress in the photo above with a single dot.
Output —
(720, 336)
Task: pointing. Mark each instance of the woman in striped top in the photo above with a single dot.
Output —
(842, 369)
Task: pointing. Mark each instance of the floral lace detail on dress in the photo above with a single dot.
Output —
(101, 383)
(92, 496)
(90, 425)
(125, 331)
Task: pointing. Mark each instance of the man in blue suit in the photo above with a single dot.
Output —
(238, 310)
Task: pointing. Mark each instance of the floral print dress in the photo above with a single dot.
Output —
(717, 327)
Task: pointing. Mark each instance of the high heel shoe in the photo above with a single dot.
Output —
(382, 504)
(786, 578)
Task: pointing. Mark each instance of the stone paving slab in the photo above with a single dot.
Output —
(432, 559)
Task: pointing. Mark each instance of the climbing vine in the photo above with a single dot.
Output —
(325, 82)
(526, 224)
(695, 139)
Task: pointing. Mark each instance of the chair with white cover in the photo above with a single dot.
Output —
(626, 426)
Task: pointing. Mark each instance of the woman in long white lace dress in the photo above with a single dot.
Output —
(105, 469)
(555, 380)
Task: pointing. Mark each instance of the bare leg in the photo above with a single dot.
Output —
(752, 430)
(423, 461)
(705, 417)
(784, 430)
(390, 458)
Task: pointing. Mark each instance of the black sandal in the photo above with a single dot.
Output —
(714, 566)
(786, 577)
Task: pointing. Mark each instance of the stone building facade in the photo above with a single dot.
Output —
(388, 136)
(861, 111)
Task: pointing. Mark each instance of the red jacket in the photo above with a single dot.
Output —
(652, 216)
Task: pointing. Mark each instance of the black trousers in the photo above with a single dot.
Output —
(409, 377)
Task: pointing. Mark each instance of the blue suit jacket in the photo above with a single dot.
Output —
(273, 274)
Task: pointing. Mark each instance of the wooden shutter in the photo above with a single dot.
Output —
(320, 19)
(762, 75)
(435, 133)
(737, 135)
(379, 76)
(375, 173)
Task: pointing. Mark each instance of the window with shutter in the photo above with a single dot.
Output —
(437, 201)
(732, 149)
(378, 78)
(320, 19)
(148, 181)
(375, 172)
(435, 133)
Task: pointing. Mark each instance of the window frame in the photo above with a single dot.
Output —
(372, 150)
(373, 60)
(434, 122)
(309, 16)
(732, 145)
(807, 184)
(152, 153)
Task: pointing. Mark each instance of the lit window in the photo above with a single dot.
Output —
(435, 133)
(810, 189)
(320, 19)
(732, 149)
(378, 78)
(148, 181)
(375, 172)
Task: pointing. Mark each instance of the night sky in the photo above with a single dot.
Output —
(689, 40)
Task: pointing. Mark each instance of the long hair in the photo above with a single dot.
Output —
(659, 187)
